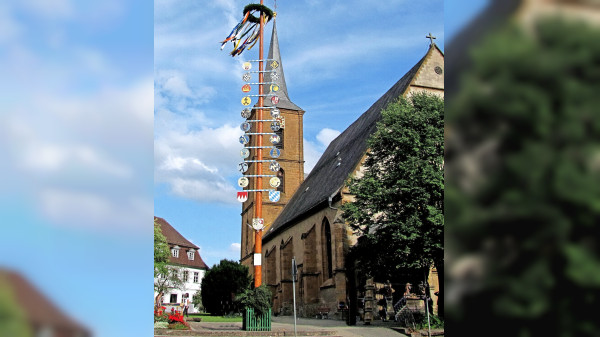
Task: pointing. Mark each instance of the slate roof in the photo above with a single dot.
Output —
(37, 308)
(174, 238)
(339, 160)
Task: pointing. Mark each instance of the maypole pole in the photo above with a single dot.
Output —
(258, 213)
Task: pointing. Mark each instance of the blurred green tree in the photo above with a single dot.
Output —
(13, 321)
(165, 276)
(221, 284)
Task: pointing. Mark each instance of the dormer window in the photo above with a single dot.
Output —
(190, 254)
(175, 251)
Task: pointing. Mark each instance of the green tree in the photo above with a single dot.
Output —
(522, 191)
(165, 276)
(398, 207)
(221, 284)
(258, 299)
(197, 301)
(13, 321)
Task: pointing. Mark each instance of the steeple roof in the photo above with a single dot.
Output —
(274, 54)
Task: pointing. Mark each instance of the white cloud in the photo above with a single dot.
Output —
(235, 248)
(326, 135)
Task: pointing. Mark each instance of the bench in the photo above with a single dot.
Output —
(323, 312)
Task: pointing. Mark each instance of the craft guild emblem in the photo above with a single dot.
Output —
(275, 126)
(274, 76)
(274, 64)
(274, 196)
(243, 182)
(274, 166)
(274, 182)
(243, 167)
(274, 88)
(275, 153)
(246, 113)
(244, 139)
(274, 139)
(275, 113)
(246, 88)
(246, 100)
(246, 66)
(245, 126)
(242, 196)
(246, 77)
(258, 223)
(245, 153)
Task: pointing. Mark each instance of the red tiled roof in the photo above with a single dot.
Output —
(38, 309)
(174, 238)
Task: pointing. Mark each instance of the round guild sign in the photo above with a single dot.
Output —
(247, 66)
(246, 113)
(245, 153)
(274, 139)
(246, 100)
(246, 87)
(274, 76)
(274, 182)
(275, 152)
(246, 77)
(274, 166)
(274, 99)
(244, 139)
(274, 64)
(245, 126)
(243, 182)
(243, 167)
(275, 126)
(275, 113)
(274, 88)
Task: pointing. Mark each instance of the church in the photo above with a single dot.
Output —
(307, 223)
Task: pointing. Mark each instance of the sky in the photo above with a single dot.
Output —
(114, 111)
(338, 57)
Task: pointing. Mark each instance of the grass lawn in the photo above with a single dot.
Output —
(209, 318)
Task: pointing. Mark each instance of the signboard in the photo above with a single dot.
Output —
(242, 167)
(275, 113)
(243, 182)
(246, 113)
(246, 88)
(244, 139)
(246, 100)
(274, 139)
(242, 196)
(246, 65)
(274, 88)
(258, 223)
(274, 100)
(274, 166)
(246, 77)
(274, 76)
(275, 153)
(245, 153)
(274, 196)
(245, 126)
(274, 64)
(281, 122)
(274, 182)
(275, 126)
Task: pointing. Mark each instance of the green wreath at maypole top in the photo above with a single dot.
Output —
(249, 25)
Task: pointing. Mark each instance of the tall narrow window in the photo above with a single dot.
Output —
(281, 176)
(175, 251)
(327, 258)
(280, 134)
(195, 277)
(185, 275)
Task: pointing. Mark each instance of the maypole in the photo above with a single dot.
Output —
(253, 27)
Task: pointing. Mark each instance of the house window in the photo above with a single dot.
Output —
(190, 254)
(173, 298)
(175, 251)
(185, 276)
(196, 274)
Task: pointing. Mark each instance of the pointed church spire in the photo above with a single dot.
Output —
(274, 54)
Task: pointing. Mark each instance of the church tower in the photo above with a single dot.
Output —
(291, 159)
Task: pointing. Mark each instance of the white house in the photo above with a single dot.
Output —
(186, 257)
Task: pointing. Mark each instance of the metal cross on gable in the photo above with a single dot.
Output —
(430, 37)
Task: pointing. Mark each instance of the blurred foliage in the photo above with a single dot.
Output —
(13, 322)
(221, 284)
(166, 276)
(523, 184)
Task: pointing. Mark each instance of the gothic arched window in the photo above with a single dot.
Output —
(326, 251)
(281, 176)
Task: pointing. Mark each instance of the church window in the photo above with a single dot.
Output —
(327, 258)
(185, 275)
(280, 134)
(438, 70)
(281, 176)
(175, 251)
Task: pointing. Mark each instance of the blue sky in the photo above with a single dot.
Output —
(99, 100)
(338, 57)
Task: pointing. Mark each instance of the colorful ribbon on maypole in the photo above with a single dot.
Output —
(247, 28)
